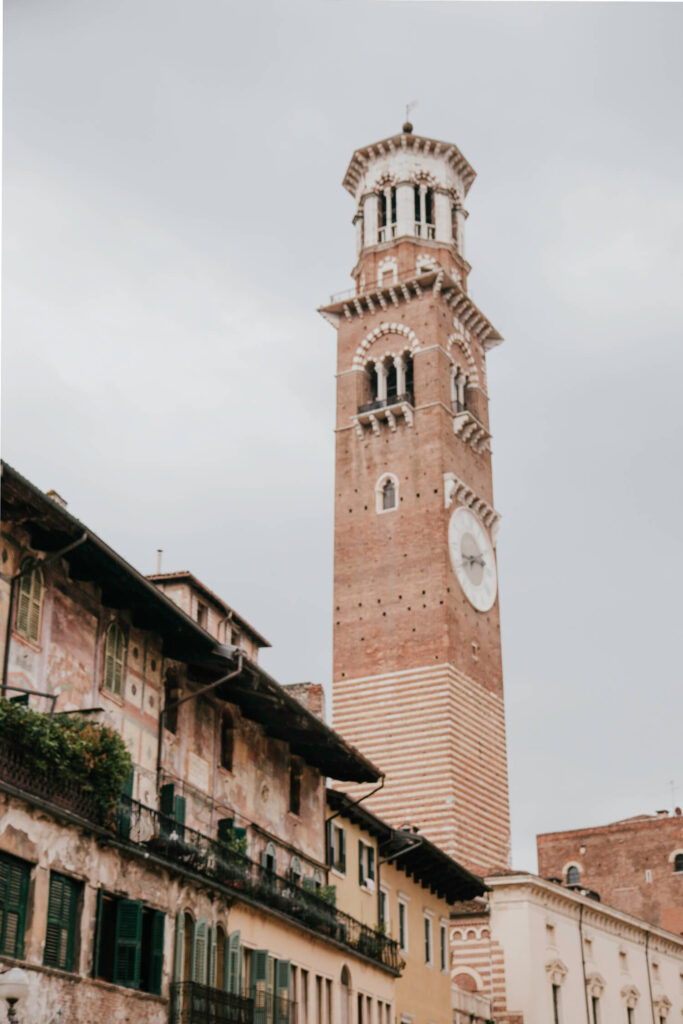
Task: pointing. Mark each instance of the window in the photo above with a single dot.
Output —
(30, 602)
(556, 1004)
(171, 697)
(678, 862)
(202, 614)
(14, 876)
(428, 940)
(402, 926)
(337, 846)
(573, 875)
(443, 937)
(62, 910)
(269, 858)
(129, 943)
(629, 1015)
(172, 810)
(387, 214)
(595, 1010)
(366, 865)
(295, 871)
(114, 658)
(424, 211)
(295, 772)
(388, 495)
(384, 910)
(227, 741)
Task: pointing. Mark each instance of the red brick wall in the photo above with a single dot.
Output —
(613, 861)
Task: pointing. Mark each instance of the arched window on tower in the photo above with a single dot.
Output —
(678, 862)
(424, 211)
(573, 875)
(388, 495)
(387, 213)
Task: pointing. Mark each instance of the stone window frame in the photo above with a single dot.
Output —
(379, 493)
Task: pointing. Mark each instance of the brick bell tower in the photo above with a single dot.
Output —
(417, 680)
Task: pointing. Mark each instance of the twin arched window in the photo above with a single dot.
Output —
(391, 379)
(30, 602)
(387, 213)
(424, 211)
(114, 659)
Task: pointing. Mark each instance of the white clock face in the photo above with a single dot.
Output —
(473, 559)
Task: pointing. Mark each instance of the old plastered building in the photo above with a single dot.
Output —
(635, 864)
(545, 954)
(417, 663)
(209, 897)
(401, 884)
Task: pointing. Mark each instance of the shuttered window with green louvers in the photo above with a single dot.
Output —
(114, 659)
(127, 941)
(62, 908)
(14, 876)
(29, 603)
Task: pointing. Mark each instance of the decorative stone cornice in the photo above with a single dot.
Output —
(406, 140)
(455, 489)
(464, 310)
(469, 429)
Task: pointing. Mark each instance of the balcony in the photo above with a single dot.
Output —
(215, 860)
(384, 409)
(192, 1003)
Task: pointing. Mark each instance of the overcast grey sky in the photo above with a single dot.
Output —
(173, 215)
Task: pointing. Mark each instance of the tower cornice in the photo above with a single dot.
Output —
(404, 141)
(397, 293)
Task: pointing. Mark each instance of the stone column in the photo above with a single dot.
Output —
(381, 382)
(400, 375)
(370, 219)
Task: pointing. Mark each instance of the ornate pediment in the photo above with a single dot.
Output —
(556, 970)
(630, 995)
(595, 984)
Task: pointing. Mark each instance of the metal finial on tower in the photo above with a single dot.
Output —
(407, 127)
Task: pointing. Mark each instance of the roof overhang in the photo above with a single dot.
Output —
(407, 141)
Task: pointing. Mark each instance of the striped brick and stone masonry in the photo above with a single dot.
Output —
(417, 679)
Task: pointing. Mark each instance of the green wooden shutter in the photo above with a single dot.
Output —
(179, 946)
(341, 839)
(282, 980)
(212, 956)
(98, 936)
(61, 922)
(14, 876)
(361, 873)
(233, 964)
(23, 604)
(179, 814)
(166, 808)
(114, 658)
(259, 980)
(156, 960)
(127, 943)
(35, 605)
(199, 943)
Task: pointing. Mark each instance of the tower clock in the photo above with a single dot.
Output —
(417, 679)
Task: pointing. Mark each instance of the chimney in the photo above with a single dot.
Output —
(311, 695)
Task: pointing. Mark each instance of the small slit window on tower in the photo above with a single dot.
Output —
(114, 659)
(30, 602)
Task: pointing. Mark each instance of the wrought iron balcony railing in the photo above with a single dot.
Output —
(270, 1008)
(214, 859)
(386, 403)
(192, 1003)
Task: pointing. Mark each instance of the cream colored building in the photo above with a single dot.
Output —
(401, 885)
(545, 954)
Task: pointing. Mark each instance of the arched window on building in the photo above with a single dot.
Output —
(296, 871)
(29, 602)
(388, 495)
(678, 862)
(227, 740)
(114, 659)
(269, 858)
(345, 984)
(573, 875)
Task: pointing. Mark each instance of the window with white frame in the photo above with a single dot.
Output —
(403, 926)
(336, 839)
(366, 865)
(386, 493)
(429, 948)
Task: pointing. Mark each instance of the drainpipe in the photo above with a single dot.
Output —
(583, 962)
(183, 700)
(649, 977)
(28, 566)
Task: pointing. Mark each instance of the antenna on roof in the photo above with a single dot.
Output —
(407, 127)
(160, 552)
